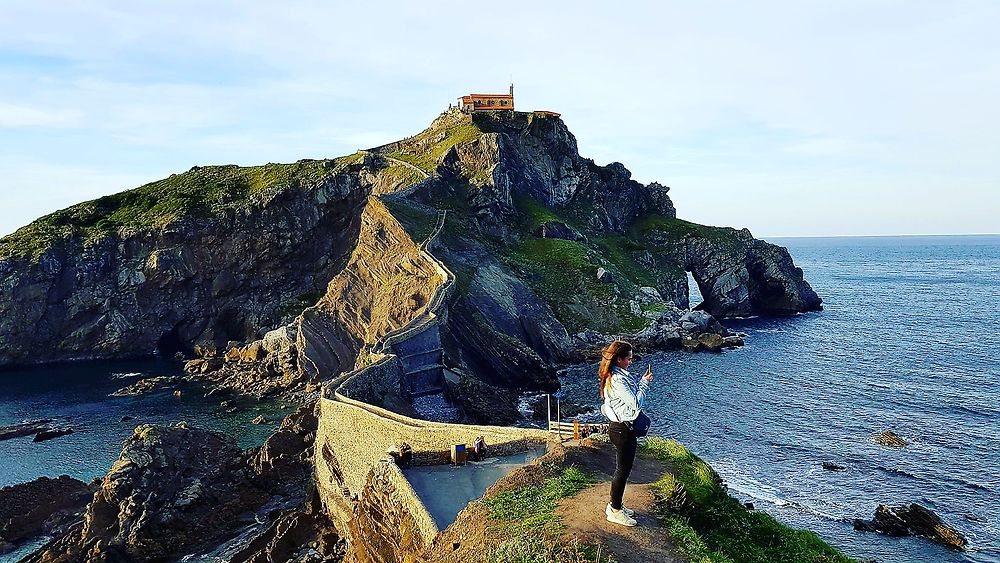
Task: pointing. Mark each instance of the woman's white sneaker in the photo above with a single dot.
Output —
(628, 511)
(619, 517)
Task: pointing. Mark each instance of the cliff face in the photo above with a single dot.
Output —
(121, 277)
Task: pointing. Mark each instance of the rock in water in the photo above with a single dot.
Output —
(50, 434)
(913, 519)
(830, 466)
(171, 489)
(38, 507)
(24, 429)
(890, 439)
(147, 385)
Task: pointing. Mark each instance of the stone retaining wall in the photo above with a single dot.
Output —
(390, 518)
(353, 437)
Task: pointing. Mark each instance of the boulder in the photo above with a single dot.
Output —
(690, 344)
(40, 507)
(212, 364)
(913, 519)
(732, 341)
(710, 341)
(830, 466)
(52, 434)
(604, 276)
(260, 419)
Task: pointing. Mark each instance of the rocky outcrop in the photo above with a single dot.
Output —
(558, 229)
(42, 506)
(211, 255)
(387, 282)
(536, 156)
(172, 488)
(737, 275)
(483, 403)
(912, 520)
(285, 459)
(52, 434)
(283, 275)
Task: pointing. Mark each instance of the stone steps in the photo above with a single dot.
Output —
(414, 362)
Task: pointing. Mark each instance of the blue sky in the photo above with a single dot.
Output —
(790, 118)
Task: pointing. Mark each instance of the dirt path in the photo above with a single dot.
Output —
(583, 513)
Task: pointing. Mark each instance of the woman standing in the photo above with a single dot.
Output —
(623, 396)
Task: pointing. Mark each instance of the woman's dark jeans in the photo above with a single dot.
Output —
(623, 437)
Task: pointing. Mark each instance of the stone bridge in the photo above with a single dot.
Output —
(360, 486)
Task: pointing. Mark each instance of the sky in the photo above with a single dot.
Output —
(793, 118)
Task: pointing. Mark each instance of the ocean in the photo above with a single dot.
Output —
(907, 342)
(76, 395)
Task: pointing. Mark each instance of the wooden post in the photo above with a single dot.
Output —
(558, 417)
(548, 411)
(576, 428)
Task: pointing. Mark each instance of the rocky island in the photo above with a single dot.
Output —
(469, 260)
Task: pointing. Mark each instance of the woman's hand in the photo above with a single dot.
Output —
(649, 373)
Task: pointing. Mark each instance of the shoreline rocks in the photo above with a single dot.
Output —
(147, 385)
(39, 507)
(171, 488)
(912, 520)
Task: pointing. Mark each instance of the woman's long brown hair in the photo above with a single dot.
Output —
(609, 356)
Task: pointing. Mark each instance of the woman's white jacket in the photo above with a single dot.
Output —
(624, 397)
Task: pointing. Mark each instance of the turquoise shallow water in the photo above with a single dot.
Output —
(908, 341)
(77, 395)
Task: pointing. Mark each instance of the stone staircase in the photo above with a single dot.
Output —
(420, 356)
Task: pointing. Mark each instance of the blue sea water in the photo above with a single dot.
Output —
(76, 395)
(908, 341)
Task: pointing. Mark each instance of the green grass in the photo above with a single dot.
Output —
(418, 222)
(426, 149)
(717, 528)
(533, 213)
(401, 176)
(202, 192)
(619, 250)
(532, 508)
(529, 522)
(560, 272)
(678, 229)
(535, 549)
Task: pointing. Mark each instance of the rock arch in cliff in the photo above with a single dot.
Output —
(740, 276)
